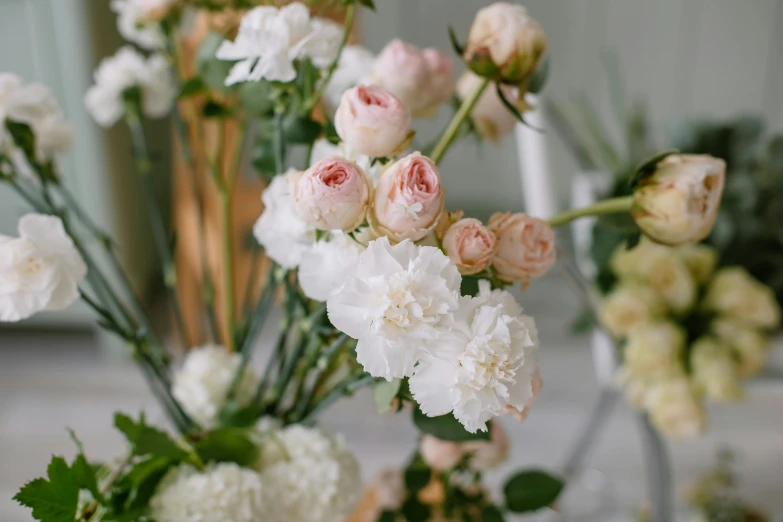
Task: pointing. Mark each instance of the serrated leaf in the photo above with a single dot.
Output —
(53, 500)
(647, 167)
(446, 427)
(384, 393)
(146, 440)
(531, 490)
(192, 87)
(84, 477)
(228, 445)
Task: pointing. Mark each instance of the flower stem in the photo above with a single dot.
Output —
(607, 206)
(456, 123)
(228, 266)
(350, 15)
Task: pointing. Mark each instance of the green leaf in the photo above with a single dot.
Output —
(458, 48)
(209, 68)
(470, 285)
(146, 440)
(256, 98)
(301, 129)
(370, 4)
(491, 514)
(263, 158)
(647, 167)
(414, 511)
(140, 482)
(417, 475)
(531, 490)
(512, 109)
(192, 87)
(213, 109)
(330, 133)
(446, 427)
(23, 136)
(539, 78)
(228, 445)
(53, 500)
(384, 393)
(388, 516)
(84, 477)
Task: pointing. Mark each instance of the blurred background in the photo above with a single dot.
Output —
(680, 59)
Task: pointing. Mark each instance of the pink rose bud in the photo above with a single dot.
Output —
(408, 199)
(421, 79)
(491, 116)
(470, 246)
(440, 455)
(526, 246)
(333, 194)
(372, 121)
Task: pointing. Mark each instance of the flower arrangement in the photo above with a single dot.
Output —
(378, 283)
(689, 332)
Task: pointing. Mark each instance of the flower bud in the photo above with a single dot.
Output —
(421, 79)
(735, 294)
(505, 43)
(408, 200)
(491, 116)
(749, 345)
(714, 370)
(470, 246)
(675, 409)
(333, 194)
(372, 121)
(526, 246)
(628, 306)
(679, 202)
(653, 351)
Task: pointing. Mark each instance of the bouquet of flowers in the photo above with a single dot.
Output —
(689, 332)
(379, 285)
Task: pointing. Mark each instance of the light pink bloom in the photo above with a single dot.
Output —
(333, 194)
(408, 199)
(443, 455)
(526, 246)
(372, 121)
(470, 246)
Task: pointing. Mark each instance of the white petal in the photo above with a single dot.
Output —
(431, 386)
(383, 358)
(240, 72)
(349, 307)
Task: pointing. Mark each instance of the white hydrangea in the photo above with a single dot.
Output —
(224, 492)
(137, 21)
(123, 71)
(280, 230)
(34, 105)
(397, 300)
(326, 266)
(482, 366)
(308, 477)
(39, 270)
(202, 384)
(356, 64)
(271, 38)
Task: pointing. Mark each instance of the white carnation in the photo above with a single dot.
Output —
(136, 21)
(202, 384)
(356, 64)
(223, 492)
(270, 39)
(326, 266)
(397, 300)
(34, 105)
(39, 270)
(308, 477)
(280, 230)
(125, 70)
(485, 363)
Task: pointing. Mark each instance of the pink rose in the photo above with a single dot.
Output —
(470, 246)
(333, 194)
(372, 121)
(491, 116)
(439, 454)
(442, 455)
(408, 199)
(526, 246)
(421, 79)
(537, 384)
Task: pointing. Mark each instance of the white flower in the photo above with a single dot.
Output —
(326, 266)
(715, 371)
(203, 382)
(280, 230)
(629, 305)
(125, 70)
(270, 39)
(34, 105)
(397, 299)
(137, 21)
(356, 64)
(222, 492)
(39, 270)
(308, 477)
(483, 364)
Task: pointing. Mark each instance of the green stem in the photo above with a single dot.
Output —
(279, 143)
(228, 267)
(350, 15)
(607, 206)
(456, 123)
(322, 362)
(345, 388)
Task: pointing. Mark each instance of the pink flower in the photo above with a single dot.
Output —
(408, 199)
(421, 79)
(443, 455)
(526, 246)
(333, 194)
(491, 116)
(537, 384)
(439, 454)
(470, 246)
(372, 121)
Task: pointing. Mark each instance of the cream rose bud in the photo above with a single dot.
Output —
(679, 202)
(701, 260)
(526, 246)
(675, 409)
(750, 346)
(408, 199)
(372, 121)
(653, 351)
(734, 293)
(627, 306)
(333, 194)
(505, 43)
(715, 371)
(470, 246)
